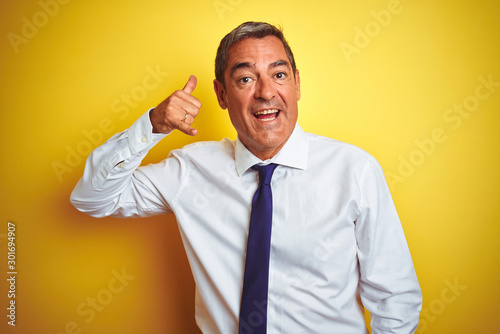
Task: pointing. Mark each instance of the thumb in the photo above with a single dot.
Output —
(190, 85)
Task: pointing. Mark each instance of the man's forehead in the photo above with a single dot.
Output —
(269, 49)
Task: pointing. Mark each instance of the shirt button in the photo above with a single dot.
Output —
(144, 139)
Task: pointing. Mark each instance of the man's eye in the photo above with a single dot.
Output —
(280, 75)
(245, 80)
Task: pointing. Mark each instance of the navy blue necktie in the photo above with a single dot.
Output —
(253, 311)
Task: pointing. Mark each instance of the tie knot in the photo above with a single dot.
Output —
(265, 173)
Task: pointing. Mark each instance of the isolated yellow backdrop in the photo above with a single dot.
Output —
(414, 82)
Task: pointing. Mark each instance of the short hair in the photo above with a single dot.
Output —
(247, 30)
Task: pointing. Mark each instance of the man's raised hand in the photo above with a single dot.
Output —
(177, 111)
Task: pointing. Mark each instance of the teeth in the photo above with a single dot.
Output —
(267, 119)
(265, 112)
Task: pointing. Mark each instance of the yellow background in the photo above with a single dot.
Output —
(72, 72)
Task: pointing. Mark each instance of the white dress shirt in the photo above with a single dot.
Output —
(337, 243)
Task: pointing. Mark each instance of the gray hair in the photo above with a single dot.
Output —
(243, 31)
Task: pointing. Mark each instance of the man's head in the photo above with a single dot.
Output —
(247, 30)
(257, 81)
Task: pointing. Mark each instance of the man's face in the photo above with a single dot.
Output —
(261, 94)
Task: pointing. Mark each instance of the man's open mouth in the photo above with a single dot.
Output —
(267, 115)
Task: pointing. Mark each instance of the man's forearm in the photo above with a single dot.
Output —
(109, 171)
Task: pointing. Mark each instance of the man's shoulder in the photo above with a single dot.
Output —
(330, 146)
(335, 155)
(207, 149)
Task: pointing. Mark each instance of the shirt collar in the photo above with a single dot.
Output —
(292, 154)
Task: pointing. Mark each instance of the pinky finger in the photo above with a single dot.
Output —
(185, 128)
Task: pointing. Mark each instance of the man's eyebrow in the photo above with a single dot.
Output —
(280, 63)
(274, 64)
(241, 65)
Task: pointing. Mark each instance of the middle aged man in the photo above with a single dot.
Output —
(336, 242)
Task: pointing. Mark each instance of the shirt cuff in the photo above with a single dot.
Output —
(140, 134)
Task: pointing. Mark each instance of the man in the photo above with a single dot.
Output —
(336, 243)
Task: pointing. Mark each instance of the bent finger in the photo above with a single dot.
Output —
(185, 128)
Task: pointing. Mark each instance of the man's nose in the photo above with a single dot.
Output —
(264, 89)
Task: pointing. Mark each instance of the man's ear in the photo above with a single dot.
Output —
(221, 94)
